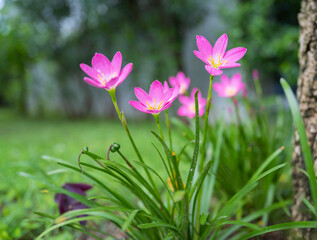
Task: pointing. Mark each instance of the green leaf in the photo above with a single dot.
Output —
(200, 180)
(211, 178)
(128, 221)
(196, 148)
(203, 218)
(157, 225)
(279, 227)
(302, 138)
(310, 206)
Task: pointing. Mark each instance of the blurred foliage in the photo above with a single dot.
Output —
(269, 30)
(67, 32)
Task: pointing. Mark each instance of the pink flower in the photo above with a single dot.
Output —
(188, 105)
(158, 99)
(255, 74)
(180, 81)
(216, 57)
(106, 74)
(229, 87)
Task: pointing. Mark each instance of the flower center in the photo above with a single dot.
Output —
(192, 107)
(218, 63)
(104, 79)
(154, 107)
(231, 91)
(182, 89)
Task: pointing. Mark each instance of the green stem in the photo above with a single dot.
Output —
(168, 124)
(157, 121)
(125, 125)
(203, 145)
(203, 157)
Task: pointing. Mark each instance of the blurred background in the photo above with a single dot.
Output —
(43, 43)
(47, 109)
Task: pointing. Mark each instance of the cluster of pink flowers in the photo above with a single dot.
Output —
(108, 75)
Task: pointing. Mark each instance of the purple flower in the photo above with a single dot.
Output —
(216, 57)
(158, 99)
(106, 74)
(67, 203)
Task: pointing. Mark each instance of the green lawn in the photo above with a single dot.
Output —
(24, 141)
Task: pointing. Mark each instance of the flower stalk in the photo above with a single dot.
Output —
(125, 125)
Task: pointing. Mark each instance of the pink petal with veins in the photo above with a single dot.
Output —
(234, 54)
(220, 46)
(142, 96)
(101, 63)
(124, 73)
(156, 90)
(116, 62)
(93, 82)
(89, 71)
(213, 71)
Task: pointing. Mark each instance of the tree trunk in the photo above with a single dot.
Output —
(307, 97)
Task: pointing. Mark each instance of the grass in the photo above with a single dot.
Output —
(23, 143)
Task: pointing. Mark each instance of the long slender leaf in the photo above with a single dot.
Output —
(308, 159)
(279, 227)
(211, 178)
(196, 148)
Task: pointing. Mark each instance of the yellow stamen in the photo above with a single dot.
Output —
(102, 79)
(149, 107)
(216, 65)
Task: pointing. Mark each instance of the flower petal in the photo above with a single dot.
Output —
(139, 106)
(166, 106)
(169, 96)
(236, 79)
(142, 96)
(93, 82)
(203, 45)
(166, 86)
(234, 54)
(220, 89)
(201, 56)
(230, 65)
(124, 73)
(116, 62)
(225, 80)
(213, 71)
(113, 83)
(182, 111)
(184, 100)
(101, 63)
(220, 46)
(156, 90)
(89, 71)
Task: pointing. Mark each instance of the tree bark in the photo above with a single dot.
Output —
(307, 97)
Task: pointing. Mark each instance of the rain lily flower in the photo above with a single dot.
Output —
(188, 105)
(106, 74)
(158, 99)
(67, 203)
(180, 81)
(216, 58)
(229, 87)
